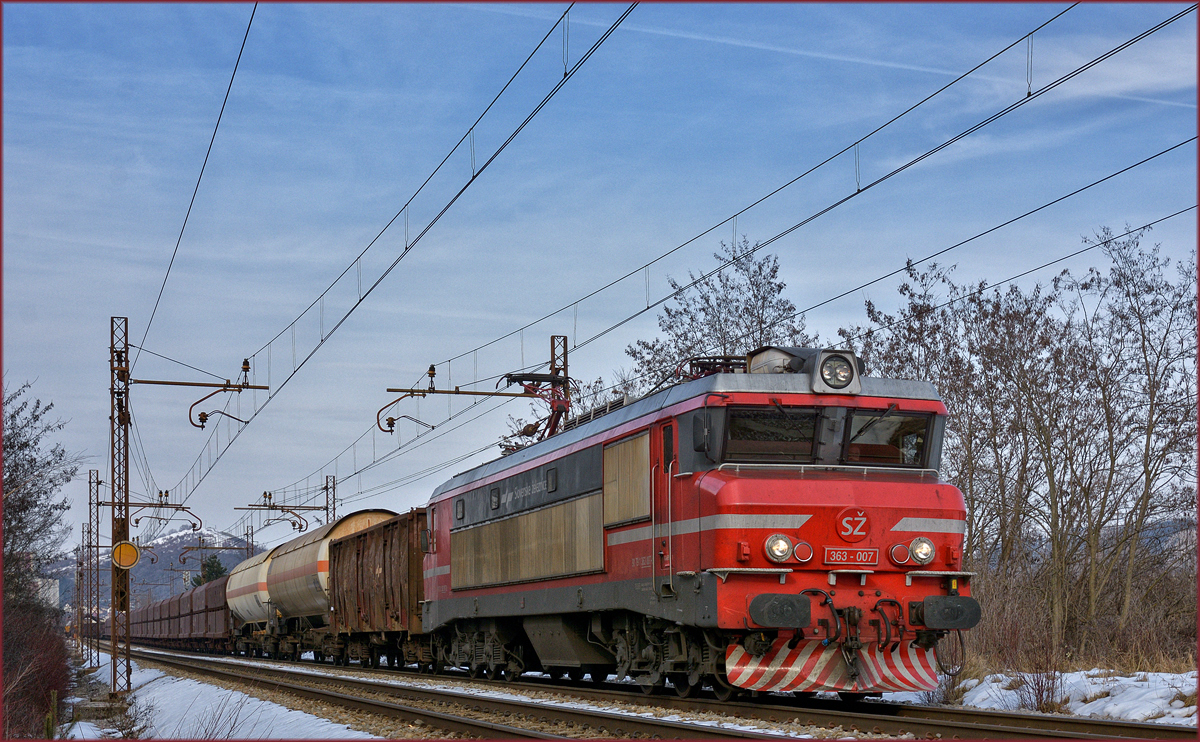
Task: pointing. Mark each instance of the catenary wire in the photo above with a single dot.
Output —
(1009, 222)
(181, 363)
(1041, 91)
(774, 192)
(587, 55)
(769, 195)
(196, 189)
(991, 119)
(408, 479)
(420, 188)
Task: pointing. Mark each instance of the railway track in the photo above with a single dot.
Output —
(871, 717)
(464, 710)
(898, 718)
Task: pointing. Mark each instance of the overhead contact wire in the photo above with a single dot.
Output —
(575, 68)
(196, 189)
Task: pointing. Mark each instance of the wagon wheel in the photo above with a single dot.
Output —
(474, 670)
(554, 673)
(510, 673)
(492, 672)
(374, 658)
(575, 673)
(650, 688)
(724, 692)
(683, 688)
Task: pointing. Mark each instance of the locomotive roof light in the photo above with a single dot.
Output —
(832, 371)
(837, 372)
(922, 550)
(779, 547)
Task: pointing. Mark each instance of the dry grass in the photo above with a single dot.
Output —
(951, 690)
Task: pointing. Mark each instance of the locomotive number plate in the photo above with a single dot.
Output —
(851, 557)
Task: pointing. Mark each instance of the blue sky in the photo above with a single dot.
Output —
(684, 116)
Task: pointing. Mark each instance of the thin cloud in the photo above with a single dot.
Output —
(744, 44)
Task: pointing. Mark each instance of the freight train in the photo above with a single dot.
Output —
(771, 522)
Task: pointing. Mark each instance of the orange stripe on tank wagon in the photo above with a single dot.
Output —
(246, 590)
(303, 570)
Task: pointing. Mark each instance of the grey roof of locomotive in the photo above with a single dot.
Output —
(800, 383)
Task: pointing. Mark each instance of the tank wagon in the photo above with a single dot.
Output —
(774, 522)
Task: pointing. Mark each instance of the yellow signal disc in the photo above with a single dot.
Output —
(125, 555)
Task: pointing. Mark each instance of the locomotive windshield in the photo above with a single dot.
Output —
(780, 434)
(889, 437)
(787, 435)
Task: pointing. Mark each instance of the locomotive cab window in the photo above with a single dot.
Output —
(770, 434)
(460, 510)
(887, 437)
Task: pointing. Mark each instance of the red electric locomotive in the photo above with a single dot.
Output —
(775, 523)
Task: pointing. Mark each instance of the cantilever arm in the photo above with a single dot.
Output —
(391, 420)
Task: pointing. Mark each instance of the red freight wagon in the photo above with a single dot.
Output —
(377, 588)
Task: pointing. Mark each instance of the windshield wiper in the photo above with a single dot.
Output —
(891, 408)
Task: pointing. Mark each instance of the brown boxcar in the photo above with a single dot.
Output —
(199, 611)
(216, 620)
(173, 617)
(377, 577)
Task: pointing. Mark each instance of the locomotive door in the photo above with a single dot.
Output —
(665, 464)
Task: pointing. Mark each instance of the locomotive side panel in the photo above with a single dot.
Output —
(555, 541)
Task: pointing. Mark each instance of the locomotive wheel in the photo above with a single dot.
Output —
(474, 671)
(683, 688)
(575, 673)
(374, 658)
(650, 689)
(492, 672)
(510, 673)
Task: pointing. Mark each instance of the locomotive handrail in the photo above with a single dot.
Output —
(932, 573)
(738, 466)
(724, 572)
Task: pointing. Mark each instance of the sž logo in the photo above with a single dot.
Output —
(852, 525)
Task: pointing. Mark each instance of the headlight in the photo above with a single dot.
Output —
(837, 372)
(922, 550)
(779, 547)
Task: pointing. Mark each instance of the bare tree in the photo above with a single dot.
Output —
(730, 313)
(1072, 437)
(35, 657)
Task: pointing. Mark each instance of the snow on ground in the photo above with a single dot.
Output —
(1146, 696)
(1098, 693)
(179, 708)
